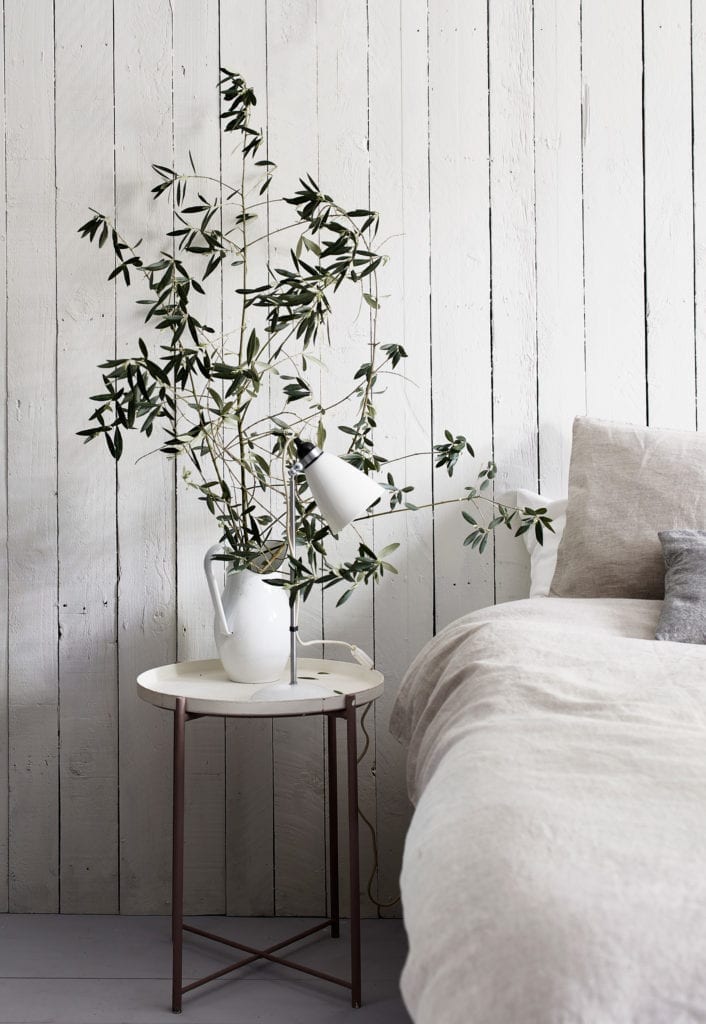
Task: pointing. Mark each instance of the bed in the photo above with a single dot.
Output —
(555, 867)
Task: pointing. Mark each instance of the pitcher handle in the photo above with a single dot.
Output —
(214, 588)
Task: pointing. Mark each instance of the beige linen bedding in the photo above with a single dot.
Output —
(555, 867)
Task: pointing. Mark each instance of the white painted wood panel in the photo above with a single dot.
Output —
(146, 499)
(32, 460)
(399, 187)
(88, 707)
(460, 296)
(561, 366)
(299, 745)
(250, 793)
(527, 204)
(513, 278)
(698, 74)
(613, 210)
(4, 607)
(342, 104)
(669, 211)
(197, 132)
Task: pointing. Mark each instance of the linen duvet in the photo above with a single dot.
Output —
(555, 867)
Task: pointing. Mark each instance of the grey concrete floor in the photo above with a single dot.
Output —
(116, 970)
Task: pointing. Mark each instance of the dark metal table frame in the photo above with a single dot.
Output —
(348, 714)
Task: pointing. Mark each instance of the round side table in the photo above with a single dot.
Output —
(196, 688)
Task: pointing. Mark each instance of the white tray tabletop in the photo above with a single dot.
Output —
(208, 690)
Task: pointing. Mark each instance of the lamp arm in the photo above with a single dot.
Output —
(293, 470)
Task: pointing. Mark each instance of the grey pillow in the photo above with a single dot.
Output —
(625, 484)
(683, 617)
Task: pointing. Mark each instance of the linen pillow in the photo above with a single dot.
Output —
(683, 617)
(626, 483)
(543, 556)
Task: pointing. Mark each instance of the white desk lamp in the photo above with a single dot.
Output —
(342, 492)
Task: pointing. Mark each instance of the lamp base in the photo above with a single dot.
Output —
(284, 690)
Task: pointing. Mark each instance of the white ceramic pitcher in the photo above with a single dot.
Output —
(251, 624)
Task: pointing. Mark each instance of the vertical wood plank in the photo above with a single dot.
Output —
(86, 474)
(613, 210)
(400, 190)
(561, 391)
(460, 278)
(250, 807)
(298, 744)
(669, 210)
(342, 102)
(32, 512)
(4, 608)
(197, 132)
(698, 100)
(146, 509)
(513, 278)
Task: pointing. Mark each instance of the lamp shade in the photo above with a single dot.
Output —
(341, 491)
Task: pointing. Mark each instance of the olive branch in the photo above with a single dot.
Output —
(200, 387)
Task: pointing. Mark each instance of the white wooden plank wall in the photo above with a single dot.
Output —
(342, 105)
(32, 468)
(88, 763)
(540, 169)
(615, 309)
(698, 104)
(4, 731)
(561, 378)
(399, 182)
(513, 277)
(197, 131)
(460, 275)
(146, 489)
(249, 747)
(669, 215)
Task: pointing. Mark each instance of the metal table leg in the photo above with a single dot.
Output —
(354, 853)
(178, 927)
(178, 852)
(333, 824)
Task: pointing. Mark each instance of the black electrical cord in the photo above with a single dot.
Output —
(373, 834)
